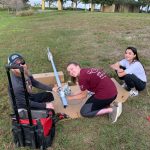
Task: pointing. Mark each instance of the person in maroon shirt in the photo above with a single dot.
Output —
(103, 91)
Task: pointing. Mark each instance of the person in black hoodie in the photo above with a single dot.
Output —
(38, 101)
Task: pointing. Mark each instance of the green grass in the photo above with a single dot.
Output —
(92, 39)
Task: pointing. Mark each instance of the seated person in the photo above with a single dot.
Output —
(131, 71)
(38, 101)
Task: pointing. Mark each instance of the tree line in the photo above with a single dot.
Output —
(18, 4)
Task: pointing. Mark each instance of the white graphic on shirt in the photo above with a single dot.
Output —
(99, 73)
(92, 70)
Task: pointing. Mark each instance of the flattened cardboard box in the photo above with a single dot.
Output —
(48, 78)
(73, 109)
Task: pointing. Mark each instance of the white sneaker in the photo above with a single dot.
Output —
(120, 108)
(133, 93)
(117, 104)
(117, 110)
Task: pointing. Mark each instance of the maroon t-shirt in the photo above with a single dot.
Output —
(96, 80)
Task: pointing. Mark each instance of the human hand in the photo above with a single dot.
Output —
(114, 67)
(120, 70)
(55, 89)
(49, 105)
(26, 69)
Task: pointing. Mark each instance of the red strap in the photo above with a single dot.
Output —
(26, 121)
(45, 122)
(47, 125)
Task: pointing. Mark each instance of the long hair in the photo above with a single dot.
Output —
(134, 50)
(74, 63)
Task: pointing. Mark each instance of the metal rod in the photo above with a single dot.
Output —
(60, 91)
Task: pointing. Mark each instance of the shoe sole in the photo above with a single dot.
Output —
(118, 107)
(113, 116)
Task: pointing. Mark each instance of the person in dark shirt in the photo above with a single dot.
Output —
(38, 101)
(104, 91)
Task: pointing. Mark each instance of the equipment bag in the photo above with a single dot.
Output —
(32, 128)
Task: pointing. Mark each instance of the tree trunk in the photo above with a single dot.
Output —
(92, 7)
(50, 3)
(43, 4)
(147, 8)
(59, 5)
(85, 7)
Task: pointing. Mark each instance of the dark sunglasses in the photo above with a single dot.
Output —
(21, 62)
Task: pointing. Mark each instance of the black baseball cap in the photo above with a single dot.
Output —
(14, 57)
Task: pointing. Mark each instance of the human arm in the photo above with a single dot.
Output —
(78, 96)
(119, 70)
(135, 68)
(34, 82)
(115, 66)
(40, 85)
(20, 95)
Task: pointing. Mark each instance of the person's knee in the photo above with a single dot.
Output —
(128, 77)
(50, 96)
(84, 113)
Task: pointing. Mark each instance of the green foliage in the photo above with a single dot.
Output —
(133, 2)
(108, 2)
(85, 1)
(144, 2)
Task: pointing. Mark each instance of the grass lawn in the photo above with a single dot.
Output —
(94, 40)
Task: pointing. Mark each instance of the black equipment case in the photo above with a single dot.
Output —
(35, 129)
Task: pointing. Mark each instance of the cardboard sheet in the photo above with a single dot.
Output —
(122, 93)
(73, 109)
(48, 78)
